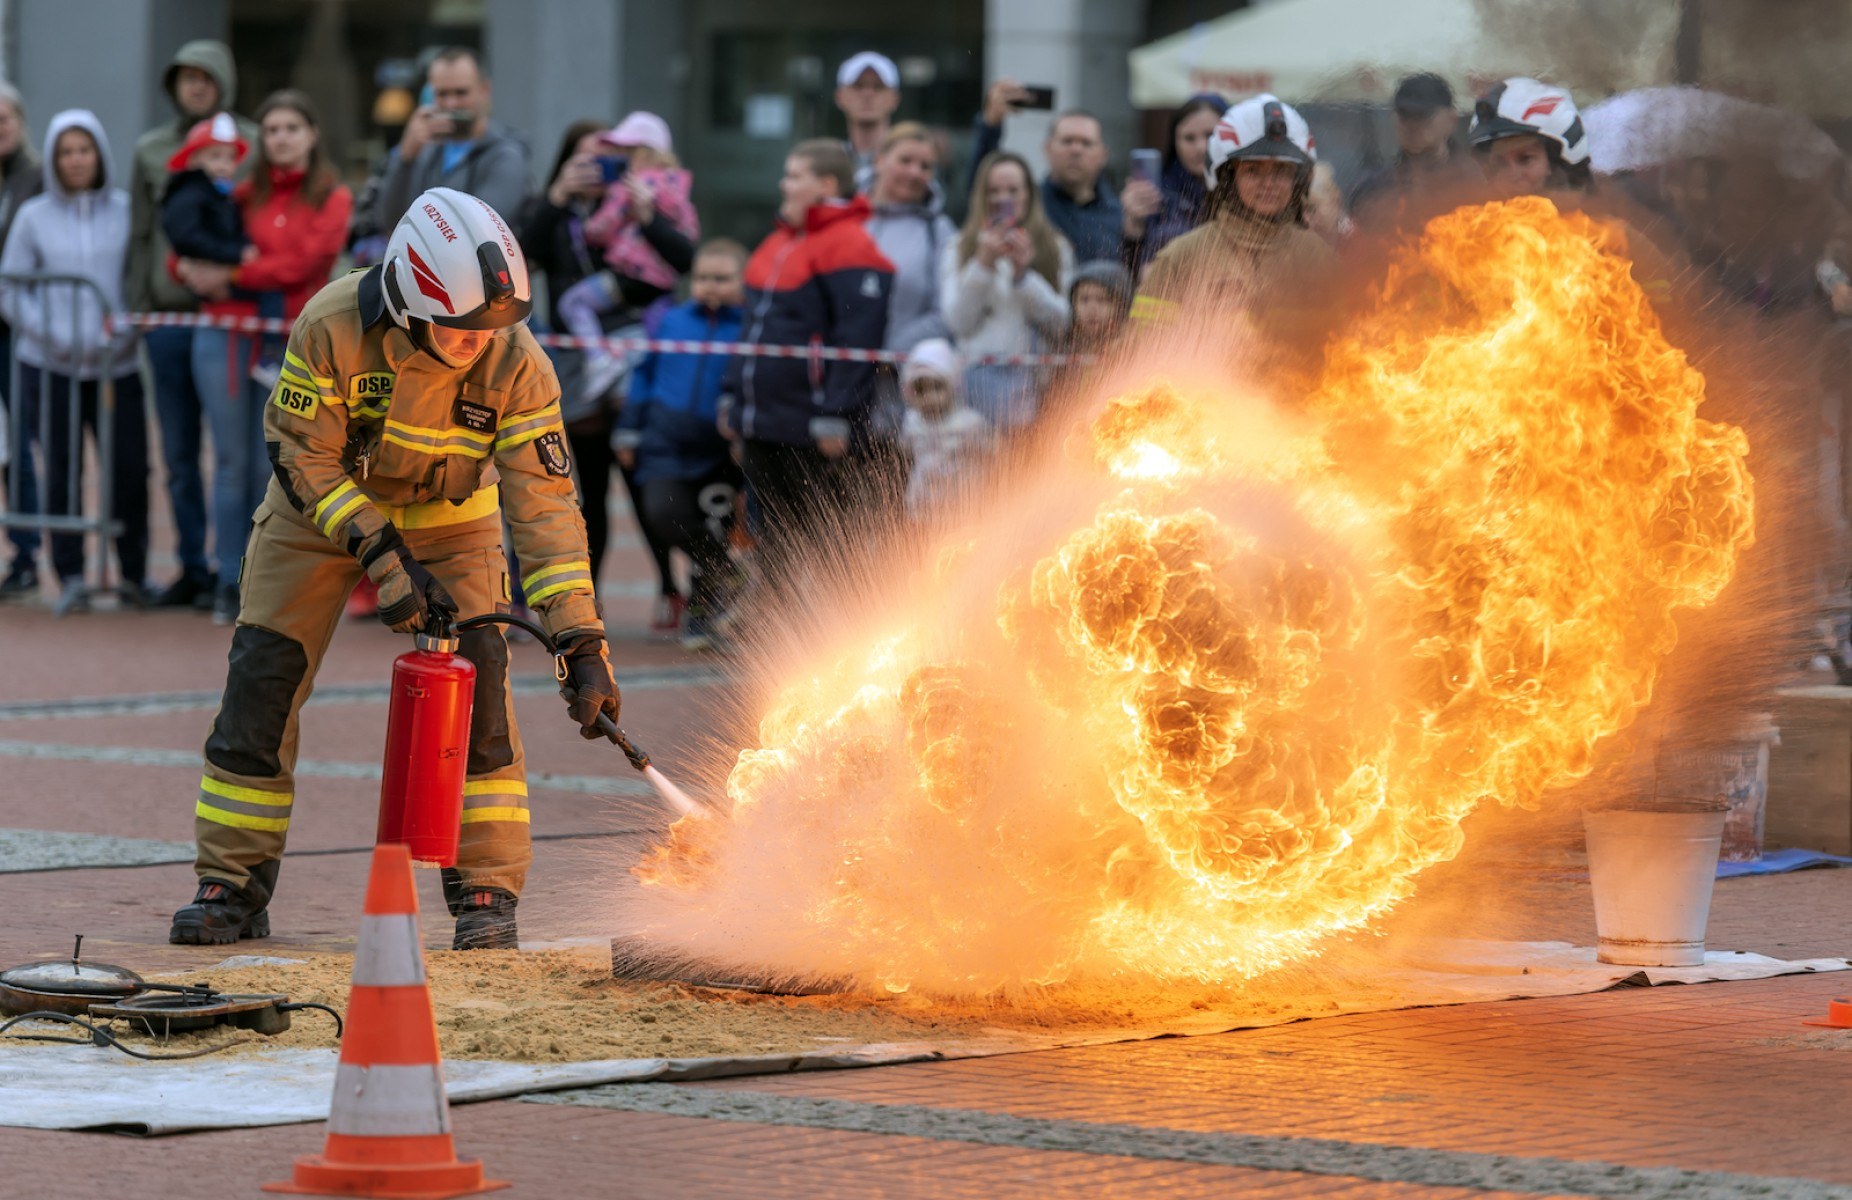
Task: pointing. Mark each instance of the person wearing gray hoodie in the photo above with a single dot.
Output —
(202, 81)
(79, 226)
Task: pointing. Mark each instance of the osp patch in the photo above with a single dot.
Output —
(371, 388)
(551, 446)
(295, 401)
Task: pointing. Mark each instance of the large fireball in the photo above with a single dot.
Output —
(1249, 691)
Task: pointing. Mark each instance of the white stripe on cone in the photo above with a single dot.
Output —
(388, 1101)
(389, 953)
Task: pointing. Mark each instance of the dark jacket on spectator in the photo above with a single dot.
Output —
(1094, 229)
(1186, 205)
(200, 221)
(1406, 193)
(149, 285)
(826, 284)
(21, 178)
(675, 398)
(494, 171)
(553, 238)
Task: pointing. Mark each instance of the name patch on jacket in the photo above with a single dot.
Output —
(370, 386)
(553, 457)
(295, 401)
(474, 417)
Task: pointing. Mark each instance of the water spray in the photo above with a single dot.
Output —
(675, 797)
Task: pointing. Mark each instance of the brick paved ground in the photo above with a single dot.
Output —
(1719, 1081)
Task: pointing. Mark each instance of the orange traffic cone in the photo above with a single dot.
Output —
(1838, 1014)
(389, 1125)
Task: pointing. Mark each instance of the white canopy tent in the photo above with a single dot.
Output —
(1336, 51)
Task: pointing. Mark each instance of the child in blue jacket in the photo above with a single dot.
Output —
(668, 431)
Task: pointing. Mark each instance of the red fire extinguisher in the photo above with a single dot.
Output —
(427, 750)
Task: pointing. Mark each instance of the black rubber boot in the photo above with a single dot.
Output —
(221, 914)
(485, 920)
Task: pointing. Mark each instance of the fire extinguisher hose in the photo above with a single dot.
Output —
(638, 758)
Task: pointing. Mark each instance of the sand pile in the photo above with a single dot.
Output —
(563, 1006)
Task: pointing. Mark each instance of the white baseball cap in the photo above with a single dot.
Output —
(641, 129)
(868, 60)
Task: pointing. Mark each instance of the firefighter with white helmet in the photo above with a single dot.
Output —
(1529, 136)
(413, 412)
(1255, 255)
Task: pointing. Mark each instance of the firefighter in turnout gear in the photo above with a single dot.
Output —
(414, 411)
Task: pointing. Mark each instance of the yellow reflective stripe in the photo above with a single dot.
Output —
(434, 514)
(473, 815)
(1151, 308)
(328, 516)
(437, 450)
(571, 585)
(232, 791)
(525, 430)
(306, 384)
(219, 816)
(495, 787)
(453, 432)
(535, 577)
(290, 359)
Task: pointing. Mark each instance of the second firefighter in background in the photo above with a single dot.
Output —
(414, 411)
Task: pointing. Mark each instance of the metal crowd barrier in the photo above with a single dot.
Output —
(48, 297)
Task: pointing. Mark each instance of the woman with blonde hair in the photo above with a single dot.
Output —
(1002, 285)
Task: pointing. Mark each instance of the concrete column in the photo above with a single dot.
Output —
(1079, 48)
(552, 62)
(106, 56)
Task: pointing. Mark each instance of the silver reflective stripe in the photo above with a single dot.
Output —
(388, 1101)
(389, 954)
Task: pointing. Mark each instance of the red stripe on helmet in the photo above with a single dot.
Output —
(426, 279)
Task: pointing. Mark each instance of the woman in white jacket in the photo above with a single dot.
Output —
(1003, 287)
(79, 226)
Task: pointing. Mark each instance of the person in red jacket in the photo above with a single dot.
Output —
(295, 216)
(817, 280)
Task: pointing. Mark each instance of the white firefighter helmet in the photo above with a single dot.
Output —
(1262, 127)
(1521, 106)
(451, 261)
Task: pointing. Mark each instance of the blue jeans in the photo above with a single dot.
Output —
(177, 409)
(234, 407)
(25, 431)
(1005, 395)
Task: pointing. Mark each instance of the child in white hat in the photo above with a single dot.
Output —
(945, 439)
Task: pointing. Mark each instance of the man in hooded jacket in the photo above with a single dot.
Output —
(202, 82)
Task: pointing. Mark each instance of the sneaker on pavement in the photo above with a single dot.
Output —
(225, 605)
(22, 580)
(185, 591)
(485, 921)
(132, 595)
(666, 620)
(73, 598)
(220, 914)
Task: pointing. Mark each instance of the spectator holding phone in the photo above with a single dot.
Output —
(1167, 198)
(452, 143)
(1074, 192)
(1001, 287)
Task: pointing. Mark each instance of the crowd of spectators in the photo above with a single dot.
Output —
(986, 326)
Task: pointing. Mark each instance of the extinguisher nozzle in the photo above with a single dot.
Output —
(638, 758)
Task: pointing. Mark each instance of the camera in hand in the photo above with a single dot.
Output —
(462, 123)
(1039, 98)
(611, 167)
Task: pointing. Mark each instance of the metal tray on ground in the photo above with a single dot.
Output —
(163, 1013)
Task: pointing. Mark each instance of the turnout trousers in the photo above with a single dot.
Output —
(291, 592)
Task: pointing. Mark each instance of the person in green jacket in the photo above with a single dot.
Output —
(201, 81)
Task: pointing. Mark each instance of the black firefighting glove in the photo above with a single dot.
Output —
(410, 597)
(588, 688)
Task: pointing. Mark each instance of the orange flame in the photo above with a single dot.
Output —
(1257, 688)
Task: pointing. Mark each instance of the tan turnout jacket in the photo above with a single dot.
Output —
(367, 430)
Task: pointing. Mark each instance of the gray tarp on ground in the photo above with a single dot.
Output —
(84, 1087)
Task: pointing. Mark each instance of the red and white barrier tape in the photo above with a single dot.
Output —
(241, 324)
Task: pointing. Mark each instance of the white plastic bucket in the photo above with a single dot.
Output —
(1652, 874)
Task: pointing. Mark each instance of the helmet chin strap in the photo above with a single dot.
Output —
(421, 333)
